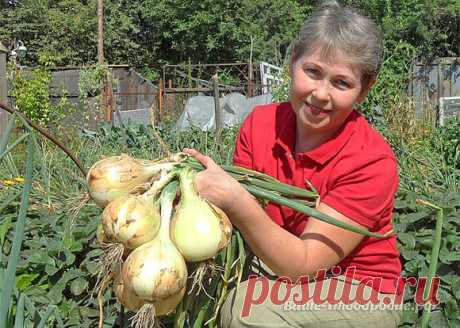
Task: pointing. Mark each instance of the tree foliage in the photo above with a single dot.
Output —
(154, 32)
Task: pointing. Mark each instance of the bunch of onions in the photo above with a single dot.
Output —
(156, 272)
(198, 229)
(156, 240)
(116, 176)
(128, 222)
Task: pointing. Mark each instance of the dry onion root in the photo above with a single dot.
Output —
(204, 271)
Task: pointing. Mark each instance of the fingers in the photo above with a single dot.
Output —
(205, 160)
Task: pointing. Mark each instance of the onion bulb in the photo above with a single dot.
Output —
(134, 220)
(198, 229)
(125, 296)
(131, 302)
(116, 176)
(169, 304)
(131, 220)
(156, 270)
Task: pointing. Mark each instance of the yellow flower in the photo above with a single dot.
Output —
(19, 179)
(9, 182)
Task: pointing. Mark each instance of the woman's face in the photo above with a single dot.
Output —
(323, 92)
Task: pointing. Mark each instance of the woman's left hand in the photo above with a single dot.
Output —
(216, 185)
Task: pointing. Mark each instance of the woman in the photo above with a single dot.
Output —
(317, 136)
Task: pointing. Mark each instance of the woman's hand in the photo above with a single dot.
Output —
(216, 185)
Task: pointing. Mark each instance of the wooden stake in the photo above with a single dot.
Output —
(218, 114)
(160, 98)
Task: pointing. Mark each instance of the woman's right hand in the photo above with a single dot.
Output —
(216, 185)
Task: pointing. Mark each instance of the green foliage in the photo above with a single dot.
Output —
(91, 78)
(428, 165)
(31, 92)
(140, 140)
(447, 141)
(9, 314)
(281, 91)
(415, 226)
(392, 79)
(149, 33)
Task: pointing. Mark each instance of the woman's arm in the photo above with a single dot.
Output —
(319, 247)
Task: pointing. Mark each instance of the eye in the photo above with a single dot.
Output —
(343, 84)
(312, 72)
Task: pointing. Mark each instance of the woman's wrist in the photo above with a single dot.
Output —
(239, 207)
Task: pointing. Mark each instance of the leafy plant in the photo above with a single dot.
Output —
(447, 141)
(9, 314)
(30, 90)
(91, 78)
(280, 91)
(415, 225)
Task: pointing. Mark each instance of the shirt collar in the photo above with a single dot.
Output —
(287, 132)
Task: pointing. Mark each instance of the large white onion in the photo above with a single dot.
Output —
(125, 296)
(133, 303)
(135, 220)
(116, 176)
(198, 229)
(156, 270)
(131, 220)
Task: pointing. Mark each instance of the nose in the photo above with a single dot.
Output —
(321, 91)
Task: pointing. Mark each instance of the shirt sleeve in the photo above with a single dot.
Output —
(366, 193)
(243, 146)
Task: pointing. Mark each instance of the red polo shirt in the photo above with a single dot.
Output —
(355, 173)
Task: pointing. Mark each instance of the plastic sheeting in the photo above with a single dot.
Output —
(199, 111)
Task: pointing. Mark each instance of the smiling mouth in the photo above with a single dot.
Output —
(316, 110)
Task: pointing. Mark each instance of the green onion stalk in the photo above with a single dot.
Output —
(269, 189)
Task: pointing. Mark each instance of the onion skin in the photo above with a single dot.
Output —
(125, 296)
(155, 271)
(133, 303)
(198, 229)
(131, 220)
(116, 176)
(101, 236)
(169, 304)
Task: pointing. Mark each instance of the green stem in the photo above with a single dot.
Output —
(6, 134)
(300, 207)
(283, 189)
(17, 141)
(433, 260)
(13, 259)
(166, 202)
(187, 187)
(258, 179)
(158, 185)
